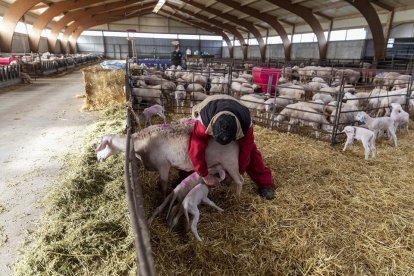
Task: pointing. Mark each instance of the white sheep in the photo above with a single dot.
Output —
(197, 97)
(147, 94)
(190, 205)
(254, 102)
(366, 136)
(400, 117)
(378, 124)
(303, 113)
(347, 115)
(349, 75)
(246, 76)
(180, 96)
(195, 87)
(359, 100)
(278, 102)
(148, 112)
(325, 98)
(216, 89)
(182, 189)
(318, 79)
(161, 147)
(295, 91)
(216, 86)
(238, 89)
(396, 96)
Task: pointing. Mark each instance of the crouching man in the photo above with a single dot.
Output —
(226, 119)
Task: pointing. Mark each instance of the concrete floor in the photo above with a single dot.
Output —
(38, 124)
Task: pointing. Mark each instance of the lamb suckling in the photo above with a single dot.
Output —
(183, 189)
(400, 117)
(366, 136)
(378, 124)
(148, 112)
(161, 147)
(190, 204)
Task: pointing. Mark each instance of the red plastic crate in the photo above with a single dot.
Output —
(261, 76)
(8, 60)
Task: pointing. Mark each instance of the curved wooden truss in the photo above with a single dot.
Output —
(80, 13)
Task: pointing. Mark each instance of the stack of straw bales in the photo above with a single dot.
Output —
(103, 87)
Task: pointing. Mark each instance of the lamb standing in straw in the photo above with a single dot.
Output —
(379, 124)
(366, 136)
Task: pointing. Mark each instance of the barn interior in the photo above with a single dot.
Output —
(74, 71)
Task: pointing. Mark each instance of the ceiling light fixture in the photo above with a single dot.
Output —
(158, 6)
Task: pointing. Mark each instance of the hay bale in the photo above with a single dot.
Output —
(103, 88)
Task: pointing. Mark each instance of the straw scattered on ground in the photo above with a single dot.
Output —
(334, 214)
(103, 87)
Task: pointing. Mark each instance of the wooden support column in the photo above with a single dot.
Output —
(388, 27)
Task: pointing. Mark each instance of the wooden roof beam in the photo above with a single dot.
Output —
(374, 23)
(382, 5)
(45, 18)
(108, 19)
(272, 21)
(81, 14)
(206, 27)
(15, 11)
(307, 15)
(248, 25)
(231, 29)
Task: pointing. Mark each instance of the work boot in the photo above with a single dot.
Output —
(267, 193)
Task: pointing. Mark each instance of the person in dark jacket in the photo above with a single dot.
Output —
(225, 119)
(177, 56)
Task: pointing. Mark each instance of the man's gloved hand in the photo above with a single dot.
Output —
(210, 180)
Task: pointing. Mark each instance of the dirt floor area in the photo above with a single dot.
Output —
(39, 123)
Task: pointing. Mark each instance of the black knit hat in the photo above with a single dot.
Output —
(225, 129)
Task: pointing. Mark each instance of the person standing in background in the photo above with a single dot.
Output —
(177, 56)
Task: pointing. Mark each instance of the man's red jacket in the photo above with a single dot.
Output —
(198, 145)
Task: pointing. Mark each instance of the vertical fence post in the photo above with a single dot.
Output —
(409, 87)
(338, 109)
(230, 72)
(144, 259)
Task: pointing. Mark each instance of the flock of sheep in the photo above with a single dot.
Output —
(306, 96)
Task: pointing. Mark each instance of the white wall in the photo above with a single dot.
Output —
(345, 49)
(304, 50)
(404, 30)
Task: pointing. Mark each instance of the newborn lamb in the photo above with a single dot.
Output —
(366, 136)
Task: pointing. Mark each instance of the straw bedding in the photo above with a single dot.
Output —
(334, 214)
(103, 87)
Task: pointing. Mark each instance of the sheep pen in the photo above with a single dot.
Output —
(334, 213)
